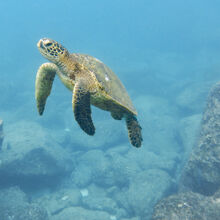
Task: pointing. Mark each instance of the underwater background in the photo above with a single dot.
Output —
(166, 53)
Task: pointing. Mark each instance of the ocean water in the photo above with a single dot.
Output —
(166, 53)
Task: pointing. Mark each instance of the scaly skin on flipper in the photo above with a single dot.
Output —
(82, 108)
(43, 84)
(92, 83)
(134, 130)
(117, 115)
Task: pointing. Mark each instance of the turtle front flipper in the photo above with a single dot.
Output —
(82, 107)
(43, 84)
(134, 130)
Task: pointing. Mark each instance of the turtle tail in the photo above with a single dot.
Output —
(134, 130)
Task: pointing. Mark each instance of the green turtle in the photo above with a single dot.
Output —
(91, 82)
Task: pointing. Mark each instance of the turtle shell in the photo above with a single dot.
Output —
(108, 80)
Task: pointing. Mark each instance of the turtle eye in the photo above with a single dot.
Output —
(48, 44)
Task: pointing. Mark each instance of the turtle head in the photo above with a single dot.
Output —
(51, 50)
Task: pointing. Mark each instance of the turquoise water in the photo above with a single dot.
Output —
(167, 55)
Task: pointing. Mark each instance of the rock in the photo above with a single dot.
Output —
(82, 175)
(100, 203)
(81, 214)
(168, 162)
(14, 205)
(189, 128)
(144, 191)
(100, 199)
(119, 149)
(31, 158)
(105, 170)
(202, 174)
(192, 98)
(91, 167)
(57, 201)
(122, 170)
(1, 134)
(187, 205)
(135, 218)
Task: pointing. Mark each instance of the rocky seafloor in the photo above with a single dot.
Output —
(50, 169)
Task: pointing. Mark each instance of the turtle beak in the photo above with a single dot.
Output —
(40, 44)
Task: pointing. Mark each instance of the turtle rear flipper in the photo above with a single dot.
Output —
(82, 107)
(134, 130)
(44, 81)
(117, 115)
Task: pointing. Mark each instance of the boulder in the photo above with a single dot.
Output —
(56, 201)
(202, 172)
(144, 192)
(31, 158)
(135, 218)
(82, 214)
(102, 199)
(192, 98)
(1, 134)
(189, 205)
(14, 205)
(189, 128)
(104, 169)
(91, 166)
(100, 203)
(167, 161)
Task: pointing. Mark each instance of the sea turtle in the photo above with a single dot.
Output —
(91, 82)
